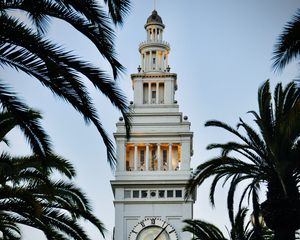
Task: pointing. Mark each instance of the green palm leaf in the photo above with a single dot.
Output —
(287, 47)
(268, 156)
(48, 62)
(26, 119)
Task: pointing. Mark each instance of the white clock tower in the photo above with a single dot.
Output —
(154, 164)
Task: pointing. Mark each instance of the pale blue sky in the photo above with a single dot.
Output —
(221, 51)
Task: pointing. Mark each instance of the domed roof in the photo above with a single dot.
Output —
(154, 18)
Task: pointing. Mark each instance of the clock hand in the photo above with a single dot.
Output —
(160, 232)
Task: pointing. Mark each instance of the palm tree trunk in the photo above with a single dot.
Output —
(282, 212)
(284, 234)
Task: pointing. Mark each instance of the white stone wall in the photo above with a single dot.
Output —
(129, 212)
(156, 124)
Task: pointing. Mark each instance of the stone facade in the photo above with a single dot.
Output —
(154, 164)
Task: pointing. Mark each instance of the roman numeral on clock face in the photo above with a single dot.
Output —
(152, 227)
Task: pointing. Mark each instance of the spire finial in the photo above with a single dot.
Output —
(154, 4)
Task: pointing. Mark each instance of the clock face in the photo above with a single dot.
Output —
(153, 229)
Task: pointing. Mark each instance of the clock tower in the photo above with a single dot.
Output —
(154, 164)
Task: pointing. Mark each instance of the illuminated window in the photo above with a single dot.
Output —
(153, 158)
(165, 162)
(142, 157)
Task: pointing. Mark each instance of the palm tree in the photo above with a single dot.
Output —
(287, 47)
(30, 194)
(268, 156)
(24, 47)
(240, 230)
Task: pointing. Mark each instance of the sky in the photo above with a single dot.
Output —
(221, 52)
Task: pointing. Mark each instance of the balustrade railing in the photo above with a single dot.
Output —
(154, 41)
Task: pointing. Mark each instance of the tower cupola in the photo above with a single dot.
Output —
(154, 51)
(154, 18)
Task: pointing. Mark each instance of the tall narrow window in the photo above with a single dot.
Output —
(153, 93)
(165, 160)
(129, 157)
(153, 159)
(153, 60)
(142, 159)
(153, 96)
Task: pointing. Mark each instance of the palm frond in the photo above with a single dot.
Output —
(215, 123)
(118, 9)
(37, 201)
(28, 121)
(287, 47)
(266, 118)
(202, 230)
(267, 156)
(88, 17)
(7, 123)
(60, 74)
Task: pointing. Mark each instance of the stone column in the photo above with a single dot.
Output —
(163, 61)
(146, 61)
(157, 92)
(147, 157)
(167, 61)
(149, 92)
(135, 156)
(158, 157)
(142, 61)
(150, 63)
(170, 157)
(156, 61)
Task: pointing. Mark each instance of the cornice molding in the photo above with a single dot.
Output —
(154, 75)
